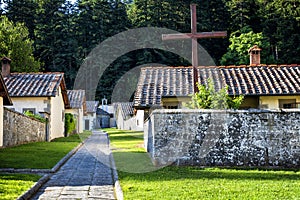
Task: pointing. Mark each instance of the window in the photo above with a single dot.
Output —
(62, 116)
(31, 110)
(264, 106)
(170, 107)
(287, 103)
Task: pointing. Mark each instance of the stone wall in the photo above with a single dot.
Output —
(19, 129)
(224, 138)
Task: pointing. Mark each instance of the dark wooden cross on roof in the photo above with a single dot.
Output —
(194, 36)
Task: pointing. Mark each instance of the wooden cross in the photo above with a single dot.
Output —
(194, 36)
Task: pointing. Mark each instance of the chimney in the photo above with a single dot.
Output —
(5, 66)
(254, 55)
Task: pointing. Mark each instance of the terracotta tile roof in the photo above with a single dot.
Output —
(156, 82)
(91, 106)
(4, 93)
(76, 98)
(36, 85)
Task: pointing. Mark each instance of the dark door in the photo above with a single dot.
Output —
(47, 130)
(87, 124)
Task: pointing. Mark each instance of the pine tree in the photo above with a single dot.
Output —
(281, 24)
(56, 38)
(24, 11)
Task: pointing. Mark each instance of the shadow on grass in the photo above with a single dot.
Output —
(38, 155)
(138, 165)
(134, 162)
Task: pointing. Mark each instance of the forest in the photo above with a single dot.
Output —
(57, 35)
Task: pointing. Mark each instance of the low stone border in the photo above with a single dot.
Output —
(117, 186)
(35, 187)
(25, 171)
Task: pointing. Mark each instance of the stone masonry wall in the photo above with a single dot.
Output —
(224, 138)
(19, 129)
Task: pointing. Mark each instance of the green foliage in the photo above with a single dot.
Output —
(65, 33)
(23, 11)
(241, 41)
(15, 44)
(14, 185)
(183, 182)
(40, 155)
(129, 154)
(35, 116)
(244, 13)
(209, 98)
(70, 123)
(281, 24)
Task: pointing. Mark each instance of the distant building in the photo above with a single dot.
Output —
(103, 118)
(126, 118)
(77, 107)
(90, 118)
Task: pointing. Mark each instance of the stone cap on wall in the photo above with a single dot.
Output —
(178, 111)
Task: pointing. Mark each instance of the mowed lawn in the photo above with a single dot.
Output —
(140, 180)
(39, 155)
(14, 185)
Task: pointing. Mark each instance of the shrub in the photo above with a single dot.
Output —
(209, 98)
(35, 116)
(70, 123)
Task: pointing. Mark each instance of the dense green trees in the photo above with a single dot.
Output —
(23, 11)
(63, 34)
(240, 42)
(15, 43)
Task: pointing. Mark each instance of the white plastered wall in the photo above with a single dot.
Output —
(37, 103)
(272, 102)
(140, 119)
(1, 121)
(92, 120)
(79, 118)
(57, 123)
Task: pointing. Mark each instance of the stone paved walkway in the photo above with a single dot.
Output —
(86, 175)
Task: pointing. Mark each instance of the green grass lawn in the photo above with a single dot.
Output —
(39, 155)
(14, 185)
(140, 180)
